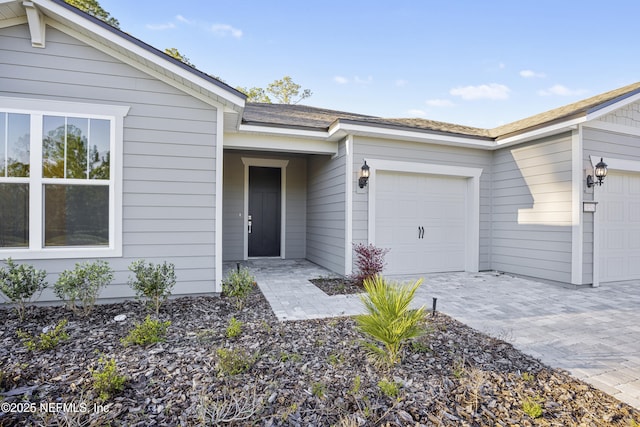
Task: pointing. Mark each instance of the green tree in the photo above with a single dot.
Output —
(284, 91)
(93, 8)
(175, 53)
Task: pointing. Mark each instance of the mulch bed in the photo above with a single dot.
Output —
(303, 373)
(337, 286)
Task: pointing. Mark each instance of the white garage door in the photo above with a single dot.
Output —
(619, 222)
(422, 219)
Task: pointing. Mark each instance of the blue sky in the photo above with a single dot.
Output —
(477, 63)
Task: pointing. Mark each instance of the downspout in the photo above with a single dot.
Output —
(348, 214)
(219, 189)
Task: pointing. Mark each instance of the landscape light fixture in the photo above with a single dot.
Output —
(600, 171)
(364, 175)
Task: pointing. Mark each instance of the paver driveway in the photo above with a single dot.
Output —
(594, 333)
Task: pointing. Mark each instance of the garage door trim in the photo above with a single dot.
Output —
(472, 244)
(613, 164)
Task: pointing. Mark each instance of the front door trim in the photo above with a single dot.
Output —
(267, 163)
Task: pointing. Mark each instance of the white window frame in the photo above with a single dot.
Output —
(37, 109)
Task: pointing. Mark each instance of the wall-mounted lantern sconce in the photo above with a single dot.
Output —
(600, 172)
(364, 175)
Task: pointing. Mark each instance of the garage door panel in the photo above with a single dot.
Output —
(407, 201)
(619, 223)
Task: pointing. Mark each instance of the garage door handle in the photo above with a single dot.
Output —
(420, 232)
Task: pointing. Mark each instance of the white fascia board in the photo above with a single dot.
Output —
(284, 131)
(240, 141)
(612, 107)
(540, 133)
(53, 11)
(409, 135)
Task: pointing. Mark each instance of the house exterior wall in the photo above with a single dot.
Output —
(326, 204)
(233, 203)
(532, 209)
(169, 154)
(606, 143)
(371, 148)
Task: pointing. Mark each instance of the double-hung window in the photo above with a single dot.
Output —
(60, 179)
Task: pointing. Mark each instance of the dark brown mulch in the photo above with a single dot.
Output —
(337, 286)
(303, 373)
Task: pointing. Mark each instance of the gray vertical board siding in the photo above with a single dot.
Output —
(532, 209)
(326, 204)
(423, 153)
(233, 204)
(601, 143)
(169, 154)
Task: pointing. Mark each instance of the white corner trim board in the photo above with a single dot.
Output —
(472, 245)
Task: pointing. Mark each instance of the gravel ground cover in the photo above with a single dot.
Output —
(302, 373)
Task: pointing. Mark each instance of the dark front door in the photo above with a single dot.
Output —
(264, 211)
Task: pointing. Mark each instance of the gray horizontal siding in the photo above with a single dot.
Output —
(326, 204)
(169, 153)
(532, 209)
(424, 153)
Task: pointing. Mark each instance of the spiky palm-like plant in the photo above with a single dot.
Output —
(389, 319)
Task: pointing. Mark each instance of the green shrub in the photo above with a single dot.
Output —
(389, 321)
(47, 340)
(233, 362)
(319, 390)
(146, 333)
(238, 285)
(153, 283)
(389, 388)
(106, 380)
(532, 407)
(19, 283)
(79, 288)
(234, 328)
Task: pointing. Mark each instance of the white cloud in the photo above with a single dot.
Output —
(401, 82)
(366, 81)
(416, 113)
(439, 103)
(527, 74)
(226, 30)
(490, 91)
(184, 20)
(341, 80)
(161, 27)
(561, 91)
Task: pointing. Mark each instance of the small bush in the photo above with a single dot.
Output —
(234, 328)
(19, 283)
(389, 388)
(79, 288)
(146, 333)
(233, 362)
(369, 262)
(238, 286)
(106, 380)
(389, 321)
(532, 408)
(47, 340)
(153, 283)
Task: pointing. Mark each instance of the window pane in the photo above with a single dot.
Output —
(99, 155)
(76, 215)
(77, 134)
(53, 141)
(18, 139)
(14, 215)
